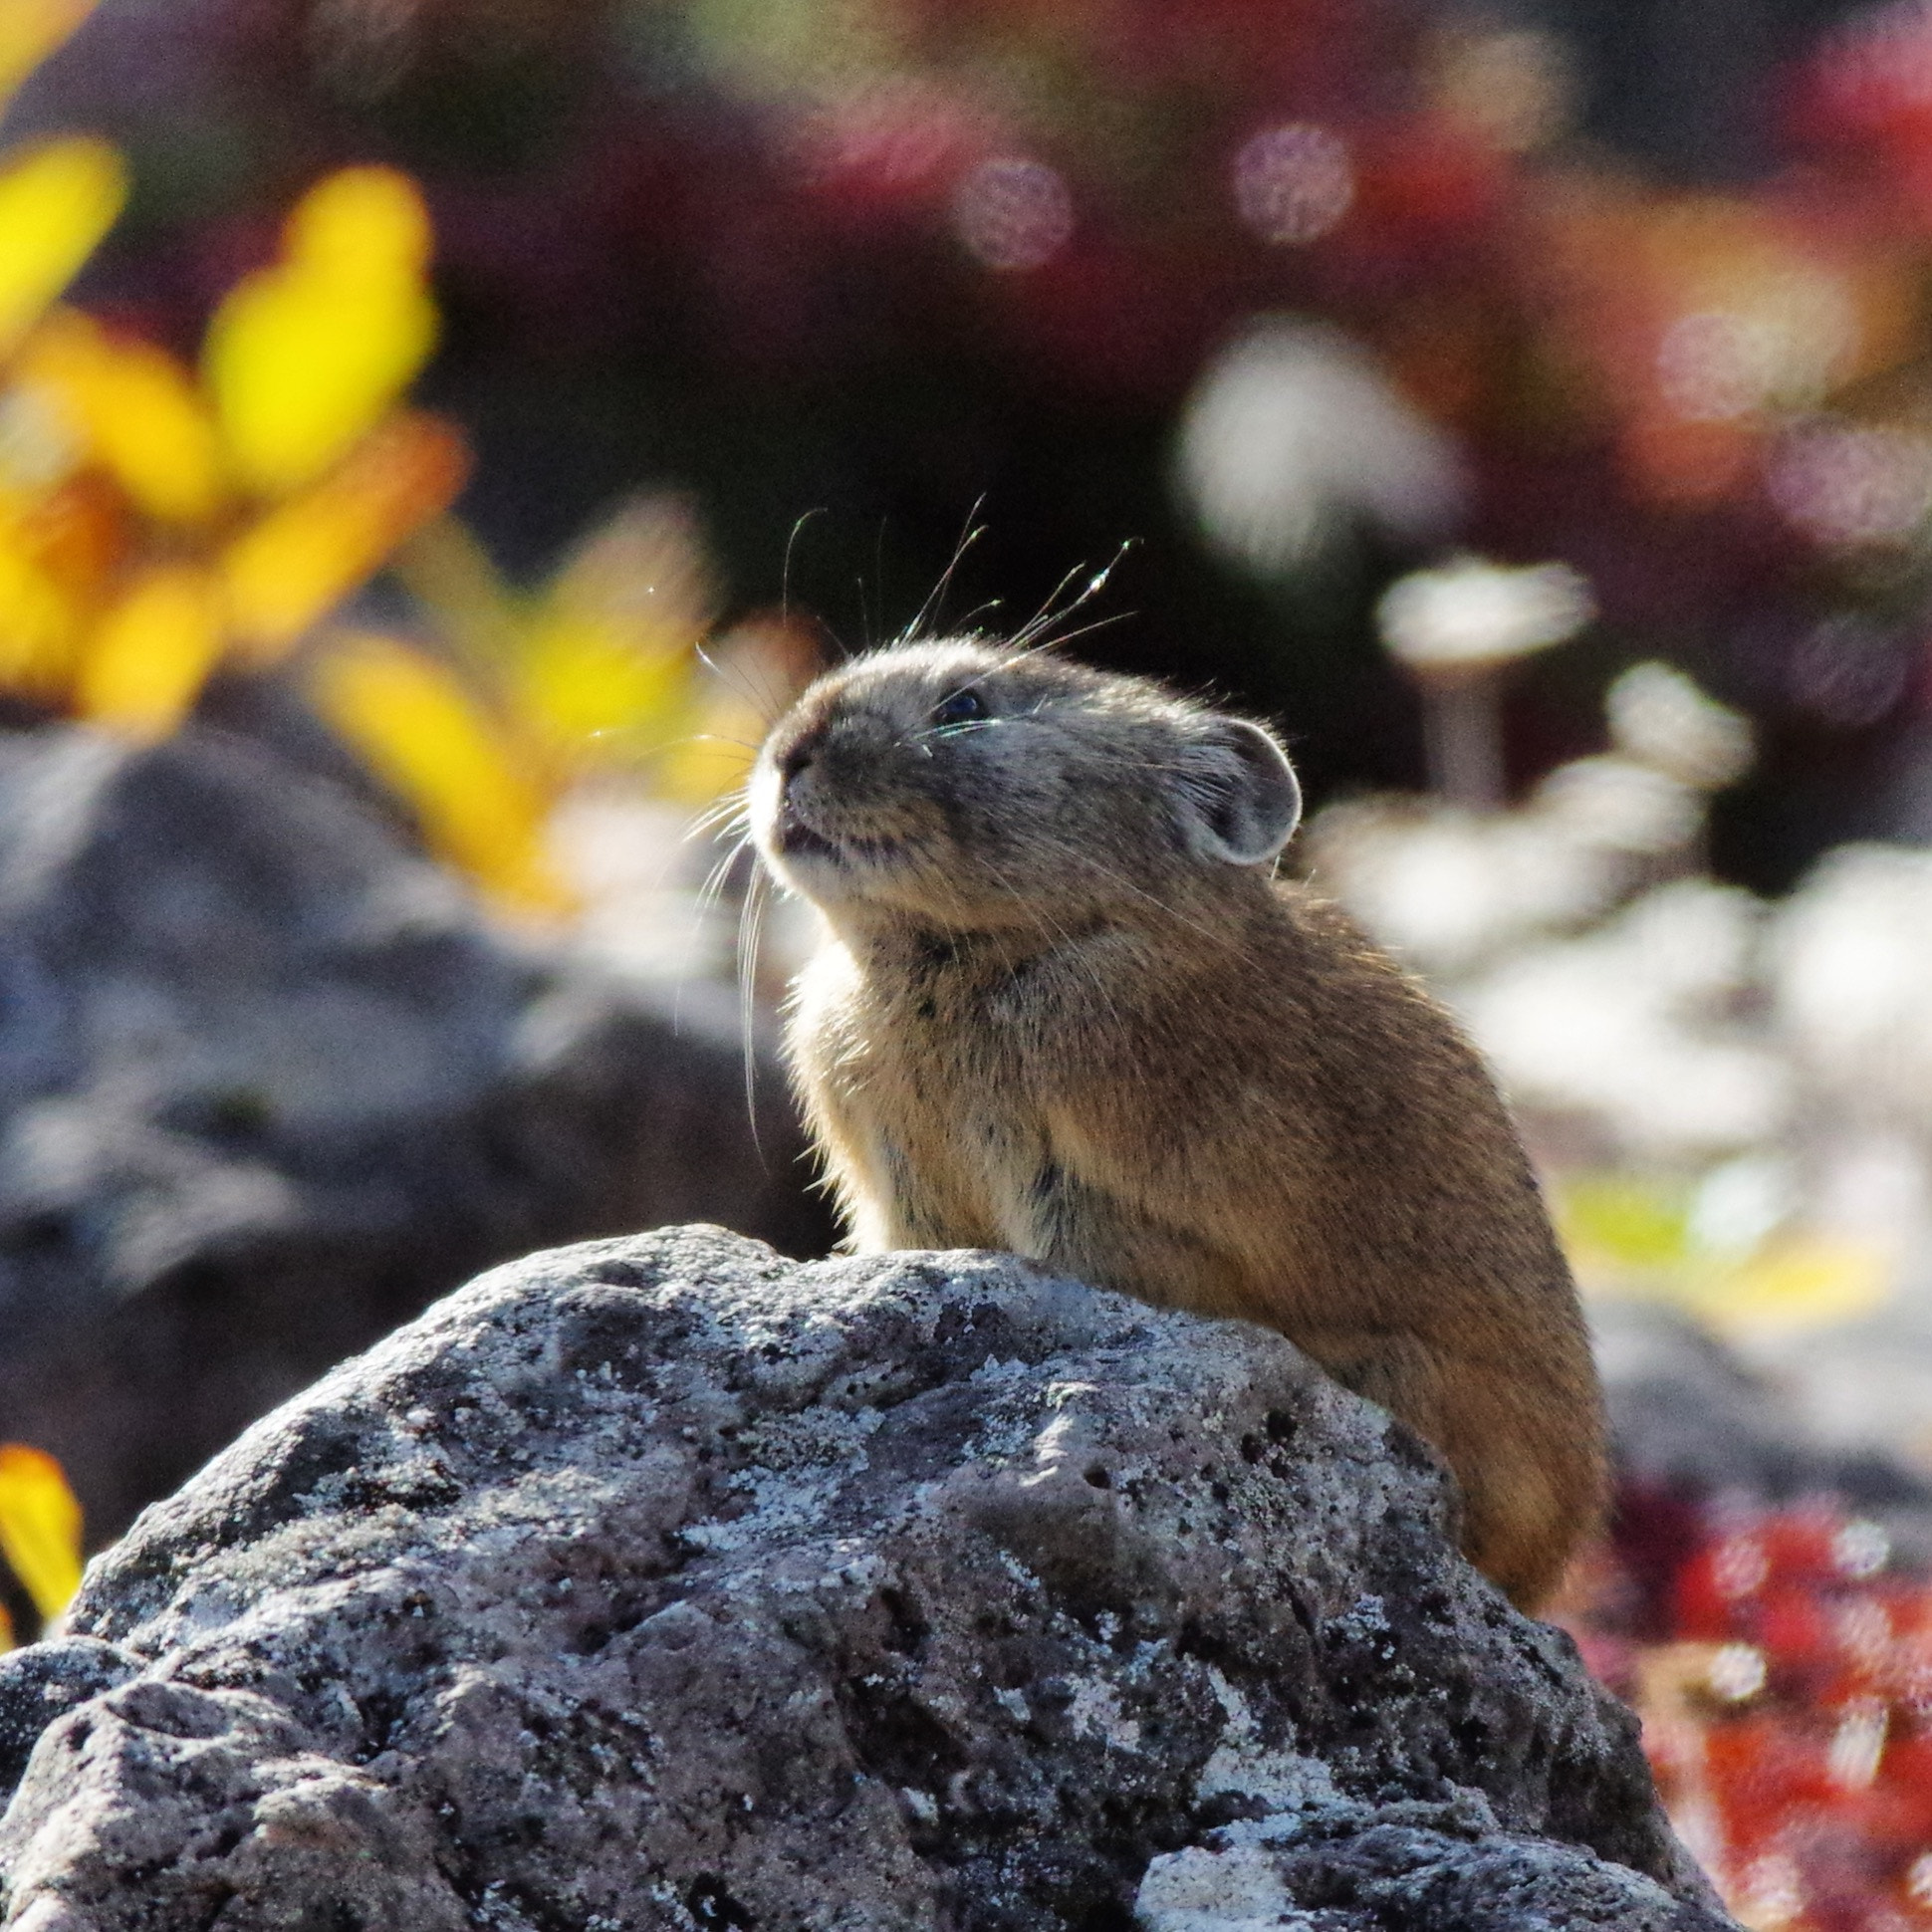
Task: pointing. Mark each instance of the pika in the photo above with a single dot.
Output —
(1064, 1007)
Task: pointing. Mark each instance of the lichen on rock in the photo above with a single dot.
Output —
(665, 1582)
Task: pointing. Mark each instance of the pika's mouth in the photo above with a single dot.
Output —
(795, 839)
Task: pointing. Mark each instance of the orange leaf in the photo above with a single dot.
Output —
(57, 200)
(76, 533)
(304, 357)
(475, 790)
(40, 1527)
(137, 411)
(152, 652)
(305, 555)
(37, 621)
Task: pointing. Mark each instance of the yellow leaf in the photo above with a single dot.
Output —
(1796, 1281)
(474, 790)
(152, 651)
(309, 552)
(1624, 1220)
(360, 224)
(137, 410)
(585, 688)
(751, 676)
(304, 357)
(30, 29)
(40, 1527)
(57, 200)
(714, 755)
(606, 655)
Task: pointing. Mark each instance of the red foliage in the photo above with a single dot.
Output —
(1783, 1673)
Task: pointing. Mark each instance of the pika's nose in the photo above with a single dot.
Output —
(800, 753)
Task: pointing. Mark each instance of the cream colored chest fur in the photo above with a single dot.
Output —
(934, 1093)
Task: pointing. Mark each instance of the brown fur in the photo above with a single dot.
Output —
(1063, 1009)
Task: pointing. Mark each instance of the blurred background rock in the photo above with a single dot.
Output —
(436, 435)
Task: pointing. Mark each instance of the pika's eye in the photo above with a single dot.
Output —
(963, 707)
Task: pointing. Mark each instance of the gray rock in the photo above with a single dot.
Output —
(1685, 1414)
(1430, 1867)
(268, 1084)
(663, 1582)
(1691, 1421)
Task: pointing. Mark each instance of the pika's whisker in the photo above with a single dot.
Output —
(1033, 633)
(785, 570)
(715, 823)
(733, 804)
(737, 830)
(935, 599)
(759, 701)
(751, 924)
(979, 611)
(712, 889)
(1016, 644)
(1086, 630)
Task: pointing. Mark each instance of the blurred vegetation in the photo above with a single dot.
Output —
(1778, 1659)
(40, 1533)
(161, 522)
(890, 256)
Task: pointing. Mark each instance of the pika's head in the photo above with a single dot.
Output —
(972, 787)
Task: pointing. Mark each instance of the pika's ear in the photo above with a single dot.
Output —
(1241, 800)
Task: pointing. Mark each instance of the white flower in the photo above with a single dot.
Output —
(1628, 1028)
(1661, 718)
(1292, 432)
(1852, 980)
(1621, 806)
(1447, 889)
(1468, 612)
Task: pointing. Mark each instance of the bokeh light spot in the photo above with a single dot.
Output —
(1736, 1672)
(1918, 1881)
(1848, 671)
(1783, 340)
(1014, 213)
(1294, 183)
(1844, 484)
(1716, 366)
(1771, 1892)
(1515, 87)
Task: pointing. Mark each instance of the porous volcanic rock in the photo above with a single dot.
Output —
(269, 1085)
(665, 1582)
